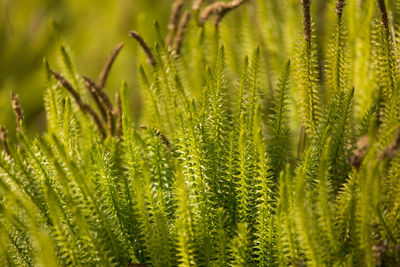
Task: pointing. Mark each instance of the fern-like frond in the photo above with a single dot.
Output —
(279, 143)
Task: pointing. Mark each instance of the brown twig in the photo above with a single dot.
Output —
(69, 88)
(3, 138)
(18, 112)
(220, 9)
(196, 5)
(107, 66)
(359, 153)
(100, 94)
(159, 134)
(339, 7)
(306, 20)
(173, 20)
(101, 97)
(390, 151)
(219, 16)
(118, 116)
(144, 46)
(83, 106)
(181, 32)
(384, 15)
(96, 98)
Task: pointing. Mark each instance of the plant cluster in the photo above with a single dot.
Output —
(225, 172)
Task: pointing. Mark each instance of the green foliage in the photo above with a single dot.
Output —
(279, 144)
(236, 164)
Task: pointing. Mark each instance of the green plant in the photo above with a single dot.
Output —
(216, 176)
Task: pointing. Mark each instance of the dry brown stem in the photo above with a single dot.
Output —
(96, 98)
(384, 15)
(3, 138)
(306, 20)
(144, 46)
(197, 4)
(181, 32)
(173, 20)
(83, 106)
(339, 7)
(220, 9)
(107, 66)
(99, 92)
(18, 112)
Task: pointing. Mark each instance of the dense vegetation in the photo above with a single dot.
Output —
(245, 157)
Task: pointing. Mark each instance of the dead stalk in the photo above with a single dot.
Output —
(196, 5)
(173, 20)
(97, 100)
(107, 66)
(105, 103)
(306, 20)
(83, 106)
(99, 92)
(181, 32)
(3, 138)
(384, 15)
(144, 46)
(339, 7)
(220, 9)
(18, 112)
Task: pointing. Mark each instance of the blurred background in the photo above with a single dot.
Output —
(31, 30)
